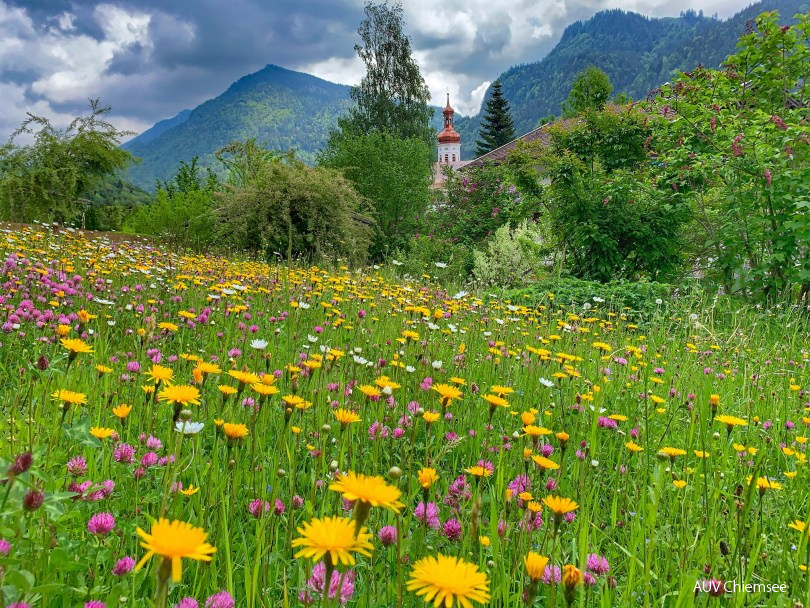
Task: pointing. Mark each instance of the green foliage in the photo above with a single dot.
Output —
(497, 128)
(279, 108)
(475, 203)
(637, 53)
(183, 209)
(513, 256)
(637, 296)
(608, 218)
(111, 203)
(48, 179)
(436, 257)
(243, 161)
(735, 145)
(392, 97)
(393, 173)
(290, 209)
(589, 91)
(384, 145)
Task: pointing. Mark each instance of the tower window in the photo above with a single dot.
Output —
(445, 158)
(454, 158)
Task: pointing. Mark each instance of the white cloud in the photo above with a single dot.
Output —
(110, 50)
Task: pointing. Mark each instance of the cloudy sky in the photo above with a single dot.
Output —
(149, 59)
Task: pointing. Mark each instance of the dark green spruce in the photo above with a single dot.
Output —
(497, 128)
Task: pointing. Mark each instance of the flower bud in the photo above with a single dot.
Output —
(33, 500)
(22, 462)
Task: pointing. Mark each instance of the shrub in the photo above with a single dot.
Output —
(291, 209)
(183, 209)
(513, 257)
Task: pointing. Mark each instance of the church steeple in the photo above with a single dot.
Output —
(449, 139)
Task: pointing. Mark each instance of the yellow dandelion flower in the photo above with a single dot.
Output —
(427, 477)
(101, 432)
(560, 505)
(122, 411)
(431, 417)
(234, 431)
(535, 565)
(544, 463)
(244, 377)
(478, 471)
(444, 580)
(74, 346)
(160, 373)
(180, 394)
(447, 393)
(174, 541)
(335, 537)
(346, 416)
(70, 397)
(372, 490)
(495, 401)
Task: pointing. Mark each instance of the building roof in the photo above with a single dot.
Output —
(498, 155)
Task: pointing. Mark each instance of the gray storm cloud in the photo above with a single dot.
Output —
(151, 58)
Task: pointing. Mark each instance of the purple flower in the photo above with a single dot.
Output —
(5, 547)
(452, 529)
(428, 514)
(77, 466)
(123, 566)
(387, 534)
(95, 604)
(597, 564)
(101, 524)
(606, 423)
(187, 602)
(341, 586)
(551, 573)
(149, 459)
(153, 443)
(258, 506)
(124, 453)
(223, 599)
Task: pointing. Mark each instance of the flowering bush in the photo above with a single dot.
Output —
(513, 257)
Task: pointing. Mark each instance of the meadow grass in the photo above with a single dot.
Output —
(625, 415)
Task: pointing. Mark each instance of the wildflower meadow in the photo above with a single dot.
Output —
(198, 431)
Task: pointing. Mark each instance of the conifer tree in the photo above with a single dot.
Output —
(497, 128)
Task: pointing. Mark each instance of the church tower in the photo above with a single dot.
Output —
(449, 139)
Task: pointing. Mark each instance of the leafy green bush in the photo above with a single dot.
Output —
(513, 257)
(183, 209)
(612, 224)
(291, 209)
(475, 203)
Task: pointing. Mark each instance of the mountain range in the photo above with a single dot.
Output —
(285, 109)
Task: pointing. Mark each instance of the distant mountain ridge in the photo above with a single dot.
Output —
(638, 53)
(286, 109)
(279, 107)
